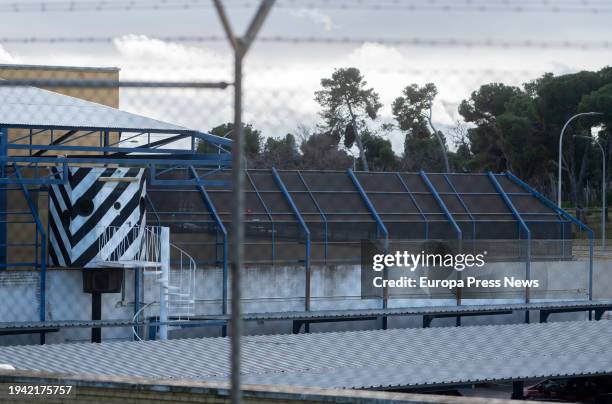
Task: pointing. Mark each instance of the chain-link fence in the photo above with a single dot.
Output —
(151, 145)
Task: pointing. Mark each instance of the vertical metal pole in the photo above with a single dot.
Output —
(165, 277)
(237, 230)
(240, 46)
(136, 295)
(603, 197)
(96, 314)
(3, 198)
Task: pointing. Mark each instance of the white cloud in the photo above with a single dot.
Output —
(374, 55)
(146, 58)
(6, 57)
(146, 49)
(316, 16)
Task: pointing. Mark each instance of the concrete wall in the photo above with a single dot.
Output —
(268, 289)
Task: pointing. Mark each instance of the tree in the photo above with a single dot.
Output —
(281, 153)
(346, 104)
(519, 129)
(556, 99)
(463, 158)
(252, 140)
(379, 152)
(320, 152)
(422, 154)
(485, 139)
(413, 112)
(601, 101)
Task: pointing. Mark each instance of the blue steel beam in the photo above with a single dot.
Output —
(463, 204)
(213, 212)
(321, 212)
(370, 206)
(103, 149)
(305, 229)
(381, 226)
(519, 218)
(415, 204)
(215, 140)
(566, 215)
(43, 249)
(139, 160)
(438, 198)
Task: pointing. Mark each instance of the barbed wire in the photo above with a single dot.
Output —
(413, 41)
(515, 6)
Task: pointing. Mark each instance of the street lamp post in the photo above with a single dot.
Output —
(603, 189)
(561, 151)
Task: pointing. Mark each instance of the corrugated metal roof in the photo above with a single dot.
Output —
(23, 106)
(358, 359)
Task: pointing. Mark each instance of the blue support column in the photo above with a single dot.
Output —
(381, 226)
(550, 204)
(43, 247)
(213, 212)
(305, 230)
(502, 193)
(438, 198)
(453, 223)
(463, 204)
(321, 213)
(370, 206)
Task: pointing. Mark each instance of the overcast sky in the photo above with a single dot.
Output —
(282, 77)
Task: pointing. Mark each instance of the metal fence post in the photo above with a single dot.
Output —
(452, 221)
(240, 47)
(305, 230)
(566, 215)
(517, 215)
(380, 227)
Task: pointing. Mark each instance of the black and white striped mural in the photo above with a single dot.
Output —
(93, 201)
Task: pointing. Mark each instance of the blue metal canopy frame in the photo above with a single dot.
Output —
(523, 226)
(31, 154)
(31, 151)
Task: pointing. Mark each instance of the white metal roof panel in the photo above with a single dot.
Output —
(23, 106)
(358, 359)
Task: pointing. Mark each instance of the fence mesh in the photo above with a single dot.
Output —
(71, 120)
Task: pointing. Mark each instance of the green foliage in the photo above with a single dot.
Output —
(486, 139)
(412, 108)
(422, 154)
(282, 153)
(345, 97)
(379, 153)
(599, 100)
(487, 102)
(320, 151)
(252, 139)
